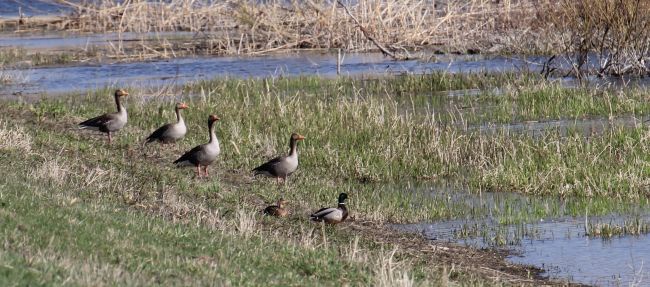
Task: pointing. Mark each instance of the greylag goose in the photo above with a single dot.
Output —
(332, 215)
(170, 133)
(282, 166)
(202, 155)
(111, 122)
(278, 210)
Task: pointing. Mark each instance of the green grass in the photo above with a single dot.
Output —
(386, 142)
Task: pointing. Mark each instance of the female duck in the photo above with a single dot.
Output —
(278, 210)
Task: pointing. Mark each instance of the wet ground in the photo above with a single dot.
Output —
(557, 243)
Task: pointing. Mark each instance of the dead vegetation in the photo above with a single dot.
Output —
(608, 37)
(605, 37)
(244, 27)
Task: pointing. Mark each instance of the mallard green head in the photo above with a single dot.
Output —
(342, 197)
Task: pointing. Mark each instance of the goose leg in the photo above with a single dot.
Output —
(206, 170)
(198, 170)
(109, 138)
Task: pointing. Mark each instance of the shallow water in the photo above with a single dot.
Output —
(178, 71)
(10, 8)
(585, 127)
(556, 244)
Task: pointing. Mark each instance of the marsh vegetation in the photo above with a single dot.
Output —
(500, 153)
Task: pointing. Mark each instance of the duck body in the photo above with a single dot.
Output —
(202, 155)
(282, 166)
(277, 210)
(170, 133)
(332, 215)
(110, 122)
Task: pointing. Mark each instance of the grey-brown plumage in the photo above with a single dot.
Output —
(110, 122)
(202, 155)
(282, 166)
(278, 210)
(332, 215)
(170, 133)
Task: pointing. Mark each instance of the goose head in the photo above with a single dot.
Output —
(181, 106)
(297, 137)
(212, 119)
(282, 203)
(121, 93)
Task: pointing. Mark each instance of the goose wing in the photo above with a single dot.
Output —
(158, 133)
(98, 122)
(190, 156)
(269, 166)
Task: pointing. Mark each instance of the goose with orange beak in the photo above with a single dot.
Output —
(110, 122)
(202, 155)
(170, 133)
(282, 166)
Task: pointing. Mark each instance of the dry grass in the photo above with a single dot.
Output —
(51, 170)
(237, 27)
(14, 138)
(388, 273)
(607, 37)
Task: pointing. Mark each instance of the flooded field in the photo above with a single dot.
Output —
(538, 231)
(543, 176)
(57, 80)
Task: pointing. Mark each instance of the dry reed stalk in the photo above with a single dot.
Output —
(253, 27)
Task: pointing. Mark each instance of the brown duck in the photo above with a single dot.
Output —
(278, 210)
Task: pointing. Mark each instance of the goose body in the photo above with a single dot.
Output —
(202, 155)
(282, 166)
(110, 122)
(278, 210)
(173, 132)
(332, 215)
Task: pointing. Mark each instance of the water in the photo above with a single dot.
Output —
(9, 8)
(585, 127)
(557, 244)
(63, 41)
(55, 80)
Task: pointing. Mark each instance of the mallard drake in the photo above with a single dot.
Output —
(278, 210)
(111, 122)
(332, 215)
(282, 166)
(202, 155)
(172, 132)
